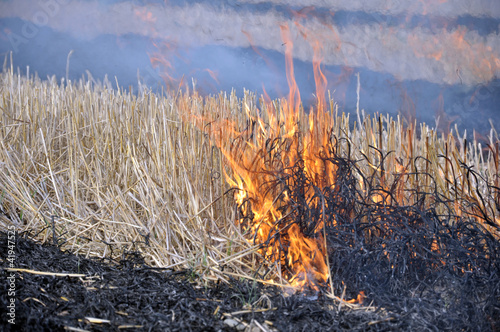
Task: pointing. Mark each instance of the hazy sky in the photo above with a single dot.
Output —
(452, 44)
(408, 51)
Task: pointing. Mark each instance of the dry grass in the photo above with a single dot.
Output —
(113, 167)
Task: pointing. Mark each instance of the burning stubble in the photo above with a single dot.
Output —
(318, 203)
(390, 211)
(302, 178)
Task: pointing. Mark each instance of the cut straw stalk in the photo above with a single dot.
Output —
(115, 167)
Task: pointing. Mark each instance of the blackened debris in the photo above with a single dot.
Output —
(135, 297)
(421, 263)
(436, 270)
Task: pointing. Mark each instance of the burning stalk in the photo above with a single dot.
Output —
(298, 192)
(280, 165)
(423, 242)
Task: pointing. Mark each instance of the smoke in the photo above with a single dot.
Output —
(423, 51)
(459, 56)
(450, 8)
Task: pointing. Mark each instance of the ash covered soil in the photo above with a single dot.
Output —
(130, 296)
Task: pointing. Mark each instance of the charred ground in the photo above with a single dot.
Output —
(133, 296)
(417, 270)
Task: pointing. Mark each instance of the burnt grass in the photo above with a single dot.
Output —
(419, 269)
(426, 259)
(133, 296)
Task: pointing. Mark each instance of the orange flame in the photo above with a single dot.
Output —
(253, 164)
(319, 77)
(294, 94)
(213, 75)
(145, 15)
(256, 50)
(462, 50)
(162, 60)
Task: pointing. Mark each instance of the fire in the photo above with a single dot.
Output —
(294, 94)
(262, 160)
(166, 48)
(269, 64)
(213, 75)
(162, 60)
(267, 156)
(145, 15)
